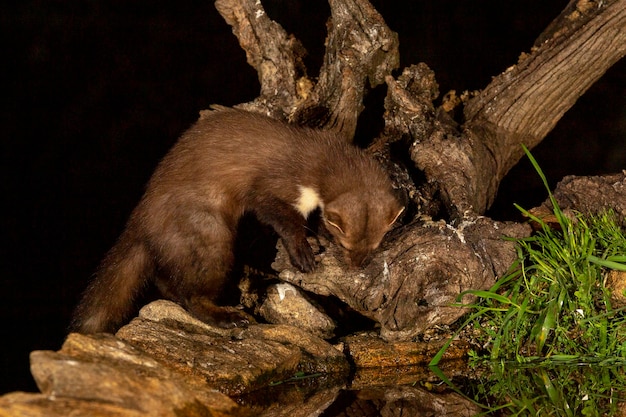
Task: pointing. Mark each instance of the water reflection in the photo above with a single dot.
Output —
(400, 401)
(369, 392)
(294, 401)
(508, 389)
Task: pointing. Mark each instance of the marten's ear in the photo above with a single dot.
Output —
(334, 219)
(345, 215)
(395, 216)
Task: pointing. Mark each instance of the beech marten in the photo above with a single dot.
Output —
(181, 234)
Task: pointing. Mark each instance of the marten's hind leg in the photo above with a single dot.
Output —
(196, 263)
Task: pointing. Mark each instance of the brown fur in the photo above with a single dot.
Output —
(180, 236)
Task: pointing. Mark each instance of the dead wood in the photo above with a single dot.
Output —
(360, 49)
(275, 55)
(593, 195)
(417, 275)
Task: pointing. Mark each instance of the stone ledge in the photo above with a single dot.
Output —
(165, 363)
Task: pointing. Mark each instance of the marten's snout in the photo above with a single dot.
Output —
(357, 258)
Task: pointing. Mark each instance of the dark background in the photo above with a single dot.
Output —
(94, 92)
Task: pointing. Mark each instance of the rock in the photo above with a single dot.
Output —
(233, 361)
(21, 404)
(285, 304)
(104, 369)
(165, 362)
(370, 351)
(380, 363)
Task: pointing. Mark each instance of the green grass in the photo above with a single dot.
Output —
(553, 341)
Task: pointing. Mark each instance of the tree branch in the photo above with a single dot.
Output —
(276, 56)
(519, 106)
(359, 48)
(523, 104)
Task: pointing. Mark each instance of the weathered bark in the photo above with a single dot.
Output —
(276, 56)
(590, 195)
(360, 48)
(424, 265)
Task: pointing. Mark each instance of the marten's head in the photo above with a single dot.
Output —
(358, 221)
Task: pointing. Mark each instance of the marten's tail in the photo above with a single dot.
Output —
(109, 299)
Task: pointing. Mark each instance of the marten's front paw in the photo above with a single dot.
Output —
(302, 257)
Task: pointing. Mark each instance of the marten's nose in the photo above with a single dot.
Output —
(358, 259)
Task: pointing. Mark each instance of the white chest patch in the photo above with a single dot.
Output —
(308, 201)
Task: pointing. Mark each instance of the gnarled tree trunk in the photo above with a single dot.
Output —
(425, 264)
